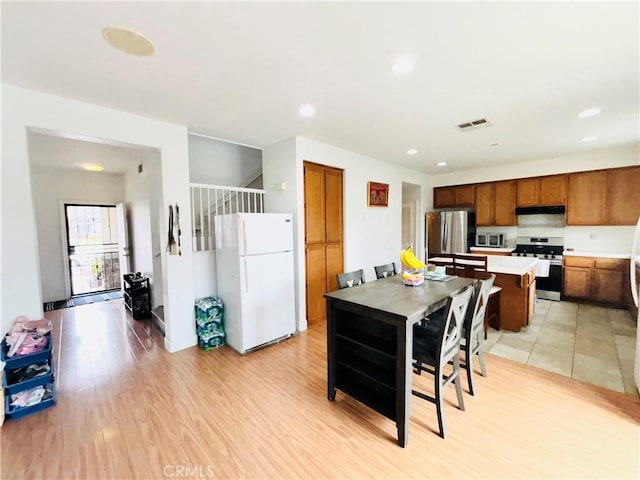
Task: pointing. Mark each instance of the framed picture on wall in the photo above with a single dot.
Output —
(378, 194)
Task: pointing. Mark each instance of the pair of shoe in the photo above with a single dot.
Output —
(25, 343)
(31, 397)
(28, 398)
(42, 326)
(21, 374)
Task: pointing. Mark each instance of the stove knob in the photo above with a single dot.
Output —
(553, 256)
(546, 256)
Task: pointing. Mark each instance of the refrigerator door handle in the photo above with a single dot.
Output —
(246, 275)
(443, 236)
(244, 237)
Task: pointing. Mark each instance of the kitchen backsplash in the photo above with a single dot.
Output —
(599, 239)
(581, 239)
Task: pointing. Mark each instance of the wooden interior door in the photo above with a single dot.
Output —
(324, 246)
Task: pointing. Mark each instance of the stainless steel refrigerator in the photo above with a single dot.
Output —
(450, 231)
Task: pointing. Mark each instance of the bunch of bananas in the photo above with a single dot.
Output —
(410, 260)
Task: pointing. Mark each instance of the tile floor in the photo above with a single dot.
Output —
(592, 344)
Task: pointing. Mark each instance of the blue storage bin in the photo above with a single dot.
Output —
(24, 360)
(11, 388)
(14, 413)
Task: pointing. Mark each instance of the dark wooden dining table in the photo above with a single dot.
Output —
(370, 339)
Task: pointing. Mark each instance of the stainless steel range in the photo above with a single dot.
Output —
(544, 248)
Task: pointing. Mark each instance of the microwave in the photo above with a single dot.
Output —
(490, 240)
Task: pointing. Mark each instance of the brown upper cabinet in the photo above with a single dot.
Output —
(457, 196)
(586, 203)
(542, 191)
(604, 197)
(623, 196)
(485, 204)
(601, 197)
(496, 203)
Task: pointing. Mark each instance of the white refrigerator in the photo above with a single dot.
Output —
(255, 277)
(635, 290)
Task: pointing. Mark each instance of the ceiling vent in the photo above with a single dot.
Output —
(475, 124)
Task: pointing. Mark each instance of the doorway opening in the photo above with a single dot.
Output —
(92, 246)
(411, 206)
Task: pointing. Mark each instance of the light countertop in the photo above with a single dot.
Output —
(578, 253)
(494, 249)
(503, 264)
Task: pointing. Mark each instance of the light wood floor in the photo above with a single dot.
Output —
(127, 409)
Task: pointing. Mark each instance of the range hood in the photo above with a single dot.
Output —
(551, 210)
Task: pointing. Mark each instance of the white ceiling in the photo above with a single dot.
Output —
(241, 71)
(52, 151)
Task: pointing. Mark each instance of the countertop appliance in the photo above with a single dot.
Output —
(635, 290)
(450, 231)
(547, 249)
(494, 240)
(255, 276)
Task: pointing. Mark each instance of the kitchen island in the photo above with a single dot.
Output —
(517, 278)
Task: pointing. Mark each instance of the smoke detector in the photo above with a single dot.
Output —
(474, 125)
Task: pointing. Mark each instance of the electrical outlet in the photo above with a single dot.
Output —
(592, 236)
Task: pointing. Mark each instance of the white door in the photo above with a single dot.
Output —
(267, 297)
(260, 233)
(123, 240)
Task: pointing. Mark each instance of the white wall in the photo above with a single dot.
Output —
(20, 278)
(215, 162)
(372, 235)
(51, 186)
(142, 195)
(204, 274)
(621, 156)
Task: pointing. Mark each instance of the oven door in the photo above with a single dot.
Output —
(550, 287)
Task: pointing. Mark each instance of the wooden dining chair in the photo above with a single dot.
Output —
(351, 279)
(475, 266)
(387, 270)
(435, 347)
(443, 260)
(472, 335)
(467, 265)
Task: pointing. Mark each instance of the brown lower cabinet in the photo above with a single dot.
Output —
(517, 299)
(596, 280)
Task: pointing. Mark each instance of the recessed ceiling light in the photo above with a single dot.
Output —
(590, 138)
(412, 151)
(128, 41)
(441, 164)
(307, 111)
(93, 167)
(403, 66)
(589, 112)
